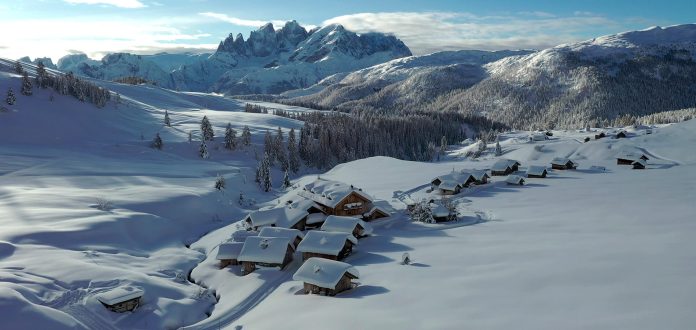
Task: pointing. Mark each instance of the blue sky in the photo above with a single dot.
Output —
(58, 27)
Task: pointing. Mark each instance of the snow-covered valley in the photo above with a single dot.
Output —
(580, 249)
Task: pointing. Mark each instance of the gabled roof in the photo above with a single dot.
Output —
(269, 250)
(229, 250)
(536, 170)
(453, 178)
(330, 193)
(292, 234)
(439, 210)
(285, 217)
(641, 162)
(305, 204)
(632, 155)
(313, 218)
(514, 179)
(563, 161)
(479, 174)
(241, 235)
(346, 225)
(324, 273)
(325, 242)
(120, 294)
(449, 185)
(503, 164)
(377, 209)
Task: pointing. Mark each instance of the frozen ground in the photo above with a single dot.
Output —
(578, 250)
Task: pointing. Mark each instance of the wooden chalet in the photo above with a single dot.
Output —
(121, 299)
(562, 163)
(449, 187)
(481, 176)
(452, 183)
(639, 164)
(285, 217)
(505, 167)
(265, 252)
(629, 158)
(348, 225)
(375, 213)
(329, 245)
(315, 220)
(441, 214)
(536, 172)
(294, 235)
(326, 277)
(337, 198)
(228, 253)
(515, 180)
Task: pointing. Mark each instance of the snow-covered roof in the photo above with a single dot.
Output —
(631, 155)
(324, 273)
(280, 217)
(479, 174)
(439, 211)
(229, 250)
(377, 208)
(325, 242)
(561, 161)
(538, 136)
(514, 179)
(536, 170)
(330, 193)
(120, 294)
(281, 232)
(269, 250)
(313, 218)
(449, 185)
(640, 161)
(241, 235)
(305, 204)
(453, 178)
(504, 164)
(341, 224)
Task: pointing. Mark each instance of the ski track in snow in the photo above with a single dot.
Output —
(87, 318)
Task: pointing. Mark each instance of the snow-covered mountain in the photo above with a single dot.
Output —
(45, 60)
(273, 61)
(633, 73)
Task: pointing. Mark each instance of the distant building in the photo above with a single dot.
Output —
(228, 253)
(452, 183)
(326, 277)
(337, 198)
(621, 134)
(628, 158)
(285, 217)
(348, 225)
(375, 213)
(481, 176)
(329, 245)
(294, 235)
(505, 167)
(639, 164)
(562, 163)
(265, 252)
(514, 180)
(600, 135)
(536, 172)
(121, 299)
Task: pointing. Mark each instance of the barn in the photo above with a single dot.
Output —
(294, 235)
(326, 277)
(536, 172)
(505, 167)
(329, 245)
(337, 198)
(348, 225)
(265, 252)
(121, 299)
(228, 253)
(515, 180)
(562, 163)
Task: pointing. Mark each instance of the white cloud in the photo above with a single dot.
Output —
(116, 3)
(426, 32)
(242, 22)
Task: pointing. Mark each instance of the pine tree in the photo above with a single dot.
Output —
(219, 182)
(10, 99)
(207, 129)
(268, 147)
(26, 85)
(286, 181)
(498, 149)
(230, 137)
(293, 154)
(18, 68)
(279, 150)
(190, 136)
(267, 183)
(443, 145)
(203, 150)
(167, 122)
(246, 136)
(41, 75)
(157, 142)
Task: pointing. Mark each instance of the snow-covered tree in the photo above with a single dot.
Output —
(167, 121)
(219, 182)
(279, 150)
(10, 99)
(157, 142)
(286, 180)
(230, 137)
(27, 88)
(258, 175)
(246, 136)
(41, 75)
(293, 154)
(203, 150)
(268, 147)
(207, 129)
(443, 145)
(498, 149)
(18, 67)
(421, 212)
(266, 183)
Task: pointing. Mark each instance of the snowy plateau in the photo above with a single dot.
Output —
(87, 207)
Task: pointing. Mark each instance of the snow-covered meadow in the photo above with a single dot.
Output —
(579, 249)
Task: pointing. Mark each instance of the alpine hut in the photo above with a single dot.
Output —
(639, 164)
(329, 245)
(337, 198)
(562, 163)
(121, 299)
(294, 235)
(228, 253)
(628, 158)
(286, 217)
(326, 277)
(505, 167)
(536, 172)
(265, 252)
(515, 180)
(348, 225)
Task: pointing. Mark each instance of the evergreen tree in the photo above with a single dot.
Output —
(219, 182)
(293, 154)
(267, 183)
(268, 147)
(230, 137)
(157, 142)
(203, 150)
(190, 136)
(41, 75)
(258, 178)
(498, 149)
(443, 145)
(279, 150)
(18, 68)
(207, 129)
(286, 180)
(10, 99)
(167, 122)
(26, 85)
(246, 136)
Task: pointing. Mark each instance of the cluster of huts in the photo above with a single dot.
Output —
(323, 227)
(637, 160)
